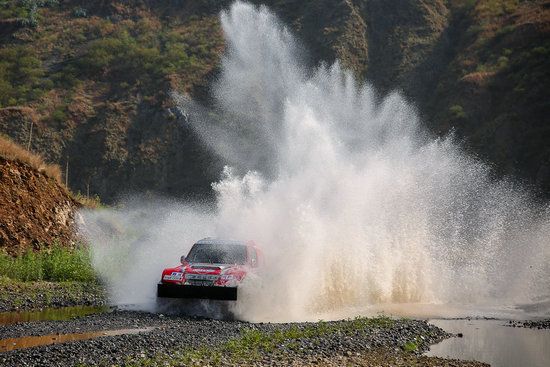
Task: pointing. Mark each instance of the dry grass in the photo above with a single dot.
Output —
(12, 151)
(92, 202)
(479, 77)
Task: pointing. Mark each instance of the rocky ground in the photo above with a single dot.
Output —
(384, 358)
(35, 295)
(181, 340)
(532, 324)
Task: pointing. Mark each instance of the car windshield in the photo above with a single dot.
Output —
(217, 254)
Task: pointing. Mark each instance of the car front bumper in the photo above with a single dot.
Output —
(170, 290)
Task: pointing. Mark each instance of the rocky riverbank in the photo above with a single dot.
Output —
(181, 340)
(532, 324)
(17, 296)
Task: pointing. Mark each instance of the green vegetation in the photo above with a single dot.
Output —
(25, 11)
(93, 202)
(502, 62)
(86, 70)
(21, 75)
(98, 76)
(55, 264)
(497, 8)
(410, 347)
(457, 112)
(253, 343)
(143, 54)
(540, 51)
(19, 295)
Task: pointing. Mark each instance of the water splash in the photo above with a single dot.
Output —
(354, 203)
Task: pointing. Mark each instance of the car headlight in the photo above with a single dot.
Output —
(229, 277)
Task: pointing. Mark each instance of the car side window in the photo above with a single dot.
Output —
(253, 257)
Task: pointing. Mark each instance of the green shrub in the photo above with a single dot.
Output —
(505, 30)
(410, 347)
(56, 264)
(457, 112)
(61, 264)
(502, 62)
(12, 9)
(144, 55)
(67, 78)
(497, 8)
(123, 58)
(26, 267)
(469, 4)
(27, 10)
(59, 115)
(542, 51)
(21, 76)
(473, 30)
(481, 68)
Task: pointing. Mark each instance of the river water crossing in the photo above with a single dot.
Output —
(488, 340)
(493, 342)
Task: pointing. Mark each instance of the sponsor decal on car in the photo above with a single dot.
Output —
(201, 283)
(203, 270)
(201, 277)
(174, 276)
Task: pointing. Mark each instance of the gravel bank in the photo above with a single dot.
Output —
(532, 324)
(200, 341)
(170, 332)
(383, 358)
(17, 296)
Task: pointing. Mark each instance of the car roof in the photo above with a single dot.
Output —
(219, 241)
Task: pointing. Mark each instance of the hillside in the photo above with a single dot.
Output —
(91, 79)
(36, 210)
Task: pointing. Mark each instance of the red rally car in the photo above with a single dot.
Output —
(213, 269)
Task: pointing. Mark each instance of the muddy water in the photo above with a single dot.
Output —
(34, 341)
(491, 342)
(49, 314)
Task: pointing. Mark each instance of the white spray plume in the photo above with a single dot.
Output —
(353, 203)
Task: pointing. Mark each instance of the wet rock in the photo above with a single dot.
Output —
(533, 324)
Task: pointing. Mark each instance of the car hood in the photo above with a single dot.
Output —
(206, 268)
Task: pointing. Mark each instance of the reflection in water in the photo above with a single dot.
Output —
(491, 342)
(34, 341)
(46, 314)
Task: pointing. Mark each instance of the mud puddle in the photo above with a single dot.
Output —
(492, 342)
(50, 314)
(9, 344)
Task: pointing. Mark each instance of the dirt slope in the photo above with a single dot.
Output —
(35, 210)
(89, 81)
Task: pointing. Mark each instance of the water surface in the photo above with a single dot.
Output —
(491, 342)
(9, 344)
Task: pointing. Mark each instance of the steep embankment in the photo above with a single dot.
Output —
(91, 82)
(91, 79)
(36, 210)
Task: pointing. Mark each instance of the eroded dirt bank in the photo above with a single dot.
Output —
(36, 210)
